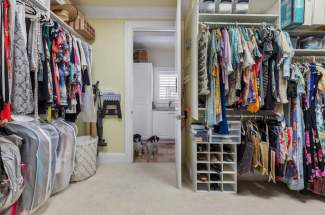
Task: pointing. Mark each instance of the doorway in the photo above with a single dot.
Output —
(146, 92)
(154, 96)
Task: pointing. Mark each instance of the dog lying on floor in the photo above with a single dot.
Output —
(151, 147)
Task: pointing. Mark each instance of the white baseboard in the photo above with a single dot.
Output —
(106, 158)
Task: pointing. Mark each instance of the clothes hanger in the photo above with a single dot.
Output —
(29, 9)
(20, 2)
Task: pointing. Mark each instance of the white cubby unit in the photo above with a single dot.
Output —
(215, 158)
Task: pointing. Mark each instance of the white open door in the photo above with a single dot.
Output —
(179, 91)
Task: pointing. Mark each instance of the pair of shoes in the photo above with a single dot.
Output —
(228, 158)
(227, 149)
(202, 158)
(202, 178)
(214, 158)
(201, 149)
(215, 168)
(214, 148)
(214, 177)
(202, 167)
(215, 187)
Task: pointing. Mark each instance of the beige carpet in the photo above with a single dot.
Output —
(149, 189)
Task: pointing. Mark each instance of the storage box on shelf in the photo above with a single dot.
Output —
(308, 43)
(215, 158)
(83, 27)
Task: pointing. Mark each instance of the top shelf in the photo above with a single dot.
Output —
(247, 18)
(306, 33)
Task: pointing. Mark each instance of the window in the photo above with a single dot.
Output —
(167, 86)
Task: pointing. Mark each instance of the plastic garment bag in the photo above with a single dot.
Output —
(11, 161)
(51, 132)
(35, 153)
(65, 155)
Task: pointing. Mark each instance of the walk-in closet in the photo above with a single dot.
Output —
(162, 107)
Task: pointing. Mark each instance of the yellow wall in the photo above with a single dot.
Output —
(108, 68)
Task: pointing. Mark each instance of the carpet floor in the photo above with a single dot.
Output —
(149, 189)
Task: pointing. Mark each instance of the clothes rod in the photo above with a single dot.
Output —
(237, 24)
(60, 21)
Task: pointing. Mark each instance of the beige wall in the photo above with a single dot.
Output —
(108, 68)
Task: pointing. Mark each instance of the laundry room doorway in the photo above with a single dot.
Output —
(153, 98)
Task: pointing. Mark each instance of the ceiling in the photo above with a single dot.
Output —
(129, 3)
(154, 39)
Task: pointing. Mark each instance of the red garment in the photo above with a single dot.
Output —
(6, 31)
(6, 113)
(56, 75)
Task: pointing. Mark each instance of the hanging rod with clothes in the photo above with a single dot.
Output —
(237, 24)
(54, 17)
(255, 116)
(262, 115)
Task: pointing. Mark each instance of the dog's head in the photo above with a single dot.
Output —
(153, 139)
(137, 138)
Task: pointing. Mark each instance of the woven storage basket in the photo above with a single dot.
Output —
(140, 56)
(86, 157)
(83, 27)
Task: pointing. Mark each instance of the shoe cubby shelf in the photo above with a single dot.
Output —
(215, 160)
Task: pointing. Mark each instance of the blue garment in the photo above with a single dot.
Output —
(261, 82)
(222, 127)
(312, 68)
(234, 37)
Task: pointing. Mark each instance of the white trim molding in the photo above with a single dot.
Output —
(131, 12)
(106, 158)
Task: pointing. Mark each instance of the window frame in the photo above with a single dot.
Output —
(162, 71)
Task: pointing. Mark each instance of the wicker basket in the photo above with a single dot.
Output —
(86, 157)
(140, 56)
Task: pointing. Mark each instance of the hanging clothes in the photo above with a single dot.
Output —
(88, 113)
(22, 94)
(203, 41)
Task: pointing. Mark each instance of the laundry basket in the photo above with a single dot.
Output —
(85, 161)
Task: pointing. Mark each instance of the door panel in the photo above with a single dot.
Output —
(143, 95)
(179, 89)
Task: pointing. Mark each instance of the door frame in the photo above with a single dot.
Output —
(130, 28)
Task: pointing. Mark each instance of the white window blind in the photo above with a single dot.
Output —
(167, 86)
